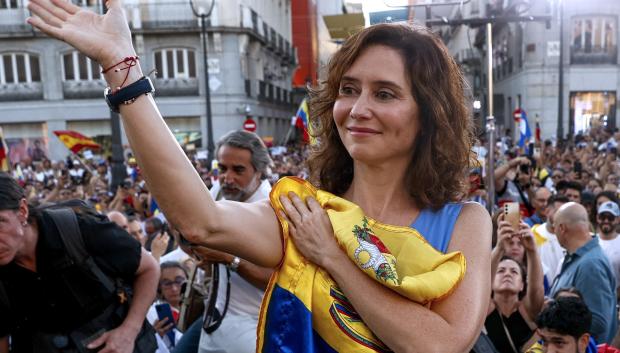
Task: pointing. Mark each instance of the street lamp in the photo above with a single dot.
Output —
(199, 11)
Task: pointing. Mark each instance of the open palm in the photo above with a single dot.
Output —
(103, 38)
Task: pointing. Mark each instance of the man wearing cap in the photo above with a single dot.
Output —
(607, 219)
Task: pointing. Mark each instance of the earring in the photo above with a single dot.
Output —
(25, 223)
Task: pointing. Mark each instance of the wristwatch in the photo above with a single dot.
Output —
(129, 94)
(234, 265)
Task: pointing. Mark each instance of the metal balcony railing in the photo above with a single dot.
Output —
(82, 89)
(593, 55)
(12, 92)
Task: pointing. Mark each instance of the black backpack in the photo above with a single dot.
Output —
(65, 220)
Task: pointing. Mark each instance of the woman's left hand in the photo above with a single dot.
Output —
(311, 229)
(527, 238)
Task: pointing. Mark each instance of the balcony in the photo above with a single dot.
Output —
(253, 88)
(13, 21)
(593, 55)
(163, 15)
(11, 92)
(176, 87)
(83, 89)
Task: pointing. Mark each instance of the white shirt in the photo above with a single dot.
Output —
(551, 252)
(245, 299)
(611, 248)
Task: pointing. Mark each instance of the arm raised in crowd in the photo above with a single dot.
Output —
(535, 294)
(502, 170)
(172, 179)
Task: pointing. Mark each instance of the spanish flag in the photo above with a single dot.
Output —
(4, 154)
(304, 310)
(75, 141)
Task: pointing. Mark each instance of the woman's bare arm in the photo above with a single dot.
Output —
(250, 231)
(451, 325)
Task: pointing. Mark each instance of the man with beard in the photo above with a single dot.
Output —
(243, 162)
(607, 219)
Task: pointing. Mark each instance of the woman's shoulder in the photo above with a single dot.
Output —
(438, 225)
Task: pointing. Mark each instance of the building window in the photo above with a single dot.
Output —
(10, 4)
(19, 68)
(85, 2)
(593, 40)
(175, 63)
(77, 67)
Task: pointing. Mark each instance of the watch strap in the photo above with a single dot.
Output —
(128, 94)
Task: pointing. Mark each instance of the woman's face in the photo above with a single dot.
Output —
(375, 113)
(170, 284)
(508, 278)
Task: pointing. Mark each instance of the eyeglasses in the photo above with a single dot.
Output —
(556, 176)
(179, 281)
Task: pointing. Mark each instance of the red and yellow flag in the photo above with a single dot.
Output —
(76, 141)
(4, 154)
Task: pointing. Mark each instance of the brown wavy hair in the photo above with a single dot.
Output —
(437, 173)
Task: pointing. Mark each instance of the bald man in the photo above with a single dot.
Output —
(118, 218)
(586, 268)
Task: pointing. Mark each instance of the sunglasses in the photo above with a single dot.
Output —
(606, 217)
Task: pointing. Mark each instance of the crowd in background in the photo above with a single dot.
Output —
(567, 243)
(541, 177)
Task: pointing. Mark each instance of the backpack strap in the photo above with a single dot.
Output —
(67, 224)
(4, 297)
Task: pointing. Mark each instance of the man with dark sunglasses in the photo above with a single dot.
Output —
(607, 219)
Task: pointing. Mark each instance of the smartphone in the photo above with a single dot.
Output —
(165, 311)
(577, 168)
(512, 215)
(536, 154)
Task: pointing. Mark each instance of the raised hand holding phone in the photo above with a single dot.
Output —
(512, 215)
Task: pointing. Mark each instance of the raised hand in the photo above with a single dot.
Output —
(103, 38)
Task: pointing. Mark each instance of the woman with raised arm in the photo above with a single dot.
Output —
(383, 257)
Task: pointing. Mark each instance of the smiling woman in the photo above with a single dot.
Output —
(385, 257)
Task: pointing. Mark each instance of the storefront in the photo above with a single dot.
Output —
(592, 108)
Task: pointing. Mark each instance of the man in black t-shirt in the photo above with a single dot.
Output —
(35, 297)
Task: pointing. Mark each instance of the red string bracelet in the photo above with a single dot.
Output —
(129, 61)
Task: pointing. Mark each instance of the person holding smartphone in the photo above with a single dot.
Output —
(518, 292)
(164, 313)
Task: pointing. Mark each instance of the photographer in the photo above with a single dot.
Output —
(70, 280)
(515, 186)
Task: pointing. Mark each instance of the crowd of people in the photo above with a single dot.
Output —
(386, 256)
(567, 194)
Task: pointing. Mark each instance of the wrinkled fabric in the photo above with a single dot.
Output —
(304, 310)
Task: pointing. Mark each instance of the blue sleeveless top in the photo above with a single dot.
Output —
(436, 227)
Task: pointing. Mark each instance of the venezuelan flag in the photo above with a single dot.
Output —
(303, 309)
(4, 154)
(75, 141)
(302, 120)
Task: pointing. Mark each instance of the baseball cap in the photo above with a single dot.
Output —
(610, 207)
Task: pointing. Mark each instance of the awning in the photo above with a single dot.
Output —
(343, 26)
